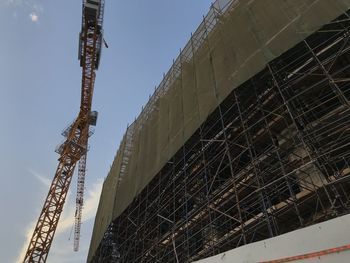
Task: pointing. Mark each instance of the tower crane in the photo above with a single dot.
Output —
(75, 146)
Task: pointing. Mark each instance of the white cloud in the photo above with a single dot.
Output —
(32, 8)
(34, 17)
(29, 3)
(90, 205)
(67, 220)
(29, 230)
(42, 179)
(28, 236)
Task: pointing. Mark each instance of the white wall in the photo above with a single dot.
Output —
(326, 235)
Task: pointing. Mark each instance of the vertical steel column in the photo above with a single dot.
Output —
(291, 192)
(225, 137)
(299, 133)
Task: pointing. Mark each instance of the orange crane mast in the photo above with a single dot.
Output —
(75, 146)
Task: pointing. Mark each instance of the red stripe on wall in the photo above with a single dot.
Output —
(310, 255)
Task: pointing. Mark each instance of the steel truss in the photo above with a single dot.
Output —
(272, 158)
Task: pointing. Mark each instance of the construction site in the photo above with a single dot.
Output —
(245, 140)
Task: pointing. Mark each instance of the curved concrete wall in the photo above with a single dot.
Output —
(303, 242)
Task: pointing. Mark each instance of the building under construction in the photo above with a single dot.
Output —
(246, 138)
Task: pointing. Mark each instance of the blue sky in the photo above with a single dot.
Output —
(39, 96)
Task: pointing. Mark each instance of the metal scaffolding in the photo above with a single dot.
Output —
(273, 157)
